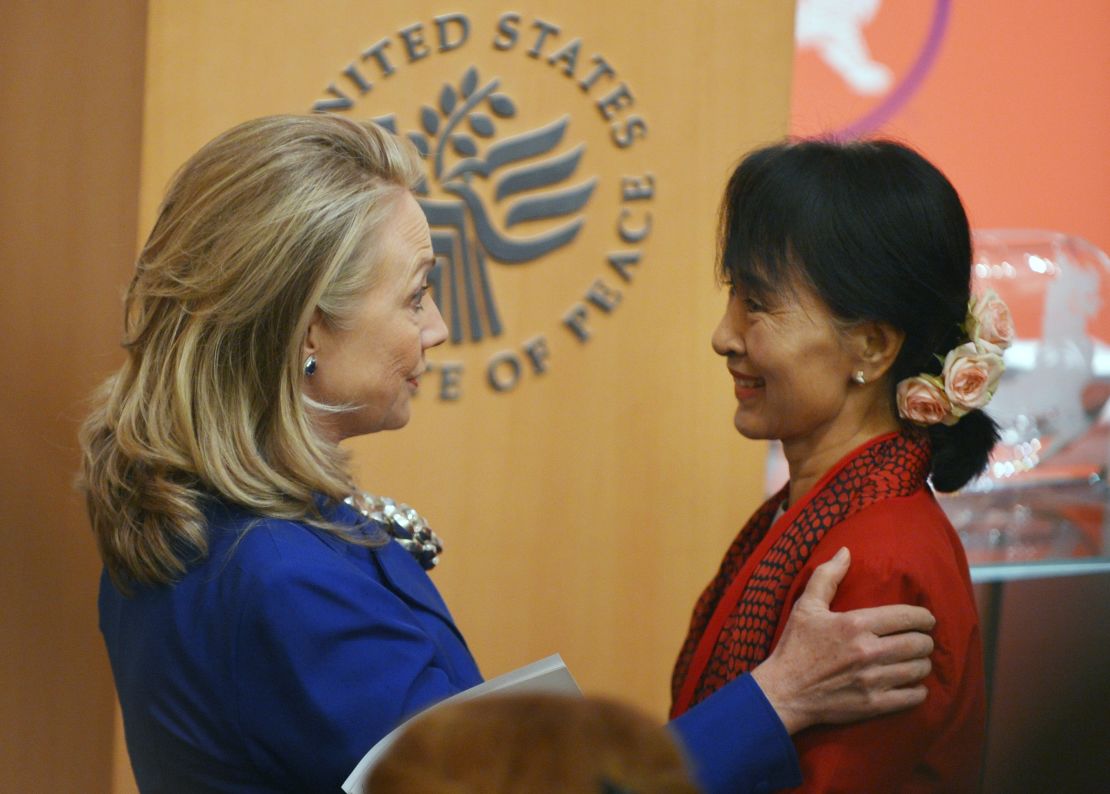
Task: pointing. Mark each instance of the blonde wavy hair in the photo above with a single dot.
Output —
(267, 223)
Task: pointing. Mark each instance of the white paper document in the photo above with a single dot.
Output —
(547, 675)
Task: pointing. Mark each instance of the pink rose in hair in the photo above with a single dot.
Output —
(989, 321)
(922, 400)
(971, 373)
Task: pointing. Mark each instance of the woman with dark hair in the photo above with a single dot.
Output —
(851, 336)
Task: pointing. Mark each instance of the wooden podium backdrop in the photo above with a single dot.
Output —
(585, 489)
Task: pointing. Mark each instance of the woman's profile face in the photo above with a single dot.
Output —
(376, 359)
(790, 371)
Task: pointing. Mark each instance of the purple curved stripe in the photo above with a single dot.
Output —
(910, 83)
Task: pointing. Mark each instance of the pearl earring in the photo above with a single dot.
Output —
(310, 365)
(859, 378)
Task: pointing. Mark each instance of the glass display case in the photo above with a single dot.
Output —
(1041, 508)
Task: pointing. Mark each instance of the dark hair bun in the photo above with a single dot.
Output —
(961, 452)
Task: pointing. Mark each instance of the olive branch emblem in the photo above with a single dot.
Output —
(528, 184)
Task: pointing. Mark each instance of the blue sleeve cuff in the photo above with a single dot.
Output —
(735, 742)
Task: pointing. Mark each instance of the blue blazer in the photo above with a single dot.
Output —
(280, 658)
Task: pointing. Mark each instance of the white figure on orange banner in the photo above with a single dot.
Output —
(834, 28)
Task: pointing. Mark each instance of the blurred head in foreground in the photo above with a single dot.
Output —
(536, 744)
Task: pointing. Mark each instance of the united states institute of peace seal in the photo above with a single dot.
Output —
(503, 193)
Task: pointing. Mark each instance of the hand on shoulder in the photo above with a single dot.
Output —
(835, 667)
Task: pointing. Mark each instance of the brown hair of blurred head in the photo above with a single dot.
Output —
(535, 744)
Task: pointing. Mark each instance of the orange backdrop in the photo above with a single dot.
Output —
(1010, 98)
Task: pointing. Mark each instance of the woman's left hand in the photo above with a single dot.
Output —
(835, 667)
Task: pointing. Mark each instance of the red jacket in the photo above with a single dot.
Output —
(904, 550)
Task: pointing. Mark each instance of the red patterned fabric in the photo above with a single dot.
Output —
(904, 550)
(735, 620)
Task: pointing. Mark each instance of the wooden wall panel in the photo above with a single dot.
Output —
(71, 90)
(584, 509)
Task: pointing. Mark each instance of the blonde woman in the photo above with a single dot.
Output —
(262, 633)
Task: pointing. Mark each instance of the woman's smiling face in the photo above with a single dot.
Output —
(374, 361)
(790, 369)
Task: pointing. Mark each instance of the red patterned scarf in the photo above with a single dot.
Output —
(742, 616)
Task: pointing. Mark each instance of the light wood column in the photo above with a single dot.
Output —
(70, 132)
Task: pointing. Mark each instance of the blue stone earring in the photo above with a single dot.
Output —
(310, 365)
